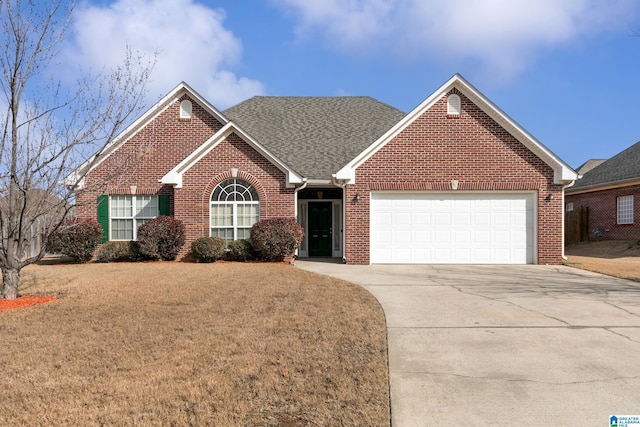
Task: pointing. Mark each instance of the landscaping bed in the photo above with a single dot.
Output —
(168, 343)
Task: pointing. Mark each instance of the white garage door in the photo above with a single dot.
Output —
(452, 228)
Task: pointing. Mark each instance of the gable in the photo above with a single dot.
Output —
(470, 147)
(157, 140)
(174, 177)
(563, 174)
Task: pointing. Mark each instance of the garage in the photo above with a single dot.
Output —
(452, 228)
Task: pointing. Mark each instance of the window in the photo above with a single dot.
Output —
(235, 207)
(625, 210)
(569, 207)
(185, 109)
(453, 105)
(127, 213)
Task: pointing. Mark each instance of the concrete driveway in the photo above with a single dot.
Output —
(505, 345)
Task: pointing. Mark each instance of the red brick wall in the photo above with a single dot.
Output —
(603, 208)
(146, 157)
(161, 145)
(192, 201)
(471, 148)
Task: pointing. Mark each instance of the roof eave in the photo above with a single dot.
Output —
(604, 186)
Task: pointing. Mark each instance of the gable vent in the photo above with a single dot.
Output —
(185, 109)
(453, 105)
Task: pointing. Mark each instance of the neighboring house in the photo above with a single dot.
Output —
(588, 165)
(611, 191)
(454, 181)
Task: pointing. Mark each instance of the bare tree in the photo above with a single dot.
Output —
(49, 131)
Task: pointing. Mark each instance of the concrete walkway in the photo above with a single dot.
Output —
(505, 345)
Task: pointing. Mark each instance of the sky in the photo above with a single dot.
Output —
(565, 70)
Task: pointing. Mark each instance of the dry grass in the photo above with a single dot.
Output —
(618, 258)
(193, 344)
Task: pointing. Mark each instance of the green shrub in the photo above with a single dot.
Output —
(239, 250)
(208, 249)
(275, 239)
(161, 238)
(119, 252)
(77, 239)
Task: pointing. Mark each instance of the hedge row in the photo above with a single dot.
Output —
(162, 238)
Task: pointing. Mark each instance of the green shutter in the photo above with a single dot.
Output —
(103, 215)
(163, 204)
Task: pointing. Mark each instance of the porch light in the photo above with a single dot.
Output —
(357, 197)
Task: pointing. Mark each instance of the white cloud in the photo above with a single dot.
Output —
(190, 41)
(503, 36)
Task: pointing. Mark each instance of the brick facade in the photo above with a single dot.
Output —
(431, 151)
(192, 201)
(603, 207)
(471, 148)
(146, 157)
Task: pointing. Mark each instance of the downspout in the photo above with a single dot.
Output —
(295, 199)
(564, 187)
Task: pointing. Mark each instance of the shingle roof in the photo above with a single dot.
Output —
(315, 136)
(622, 167)
(588, 165)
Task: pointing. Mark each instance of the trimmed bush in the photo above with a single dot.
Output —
(161, 238)
(119, 252)
(77, 239)
(208, 249)
(276, 238)
(239, 250)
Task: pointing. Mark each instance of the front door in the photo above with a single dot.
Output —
(319, 225)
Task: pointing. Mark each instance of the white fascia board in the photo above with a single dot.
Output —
(562, 172)
(174, 176)
(153, 112)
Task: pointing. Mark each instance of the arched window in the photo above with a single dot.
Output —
(453, 105)
(235, 207)
(185, 109)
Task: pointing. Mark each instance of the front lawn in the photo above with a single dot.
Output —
(193, 344)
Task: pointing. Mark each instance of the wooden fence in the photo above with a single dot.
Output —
(576, 226)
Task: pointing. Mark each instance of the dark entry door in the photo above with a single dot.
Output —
(320, 228)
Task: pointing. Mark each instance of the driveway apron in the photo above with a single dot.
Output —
(505, 345)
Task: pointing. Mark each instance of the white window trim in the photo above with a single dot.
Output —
(624, 211)
(234, 210)
(134, 218)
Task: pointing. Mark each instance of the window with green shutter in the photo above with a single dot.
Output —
(103, 216)
(121, 215)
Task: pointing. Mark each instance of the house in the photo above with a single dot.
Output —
(454, 181)
(611, 192)
(588, 165)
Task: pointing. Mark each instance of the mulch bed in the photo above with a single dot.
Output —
(26, 301)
